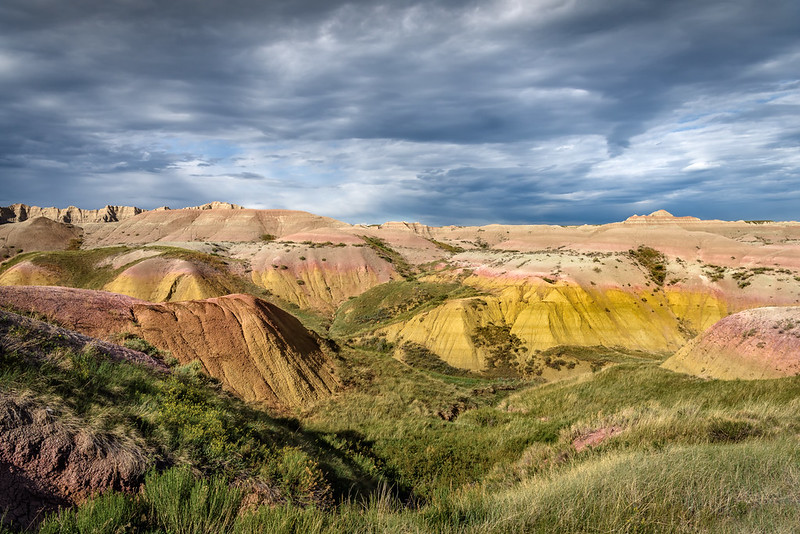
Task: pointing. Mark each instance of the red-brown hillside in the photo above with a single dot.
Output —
(257, 350)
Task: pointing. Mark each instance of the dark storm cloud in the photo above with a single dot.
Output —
(447, 112)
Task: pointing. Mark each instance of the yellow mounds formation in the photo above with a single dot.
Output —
(257, 350)
(152, 274)
(320, 278)
(169, 279)
(28, 274)
(546, 315)
(753, 344)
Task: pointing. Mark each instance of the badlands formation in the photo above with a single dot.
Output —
(258, 351)
(476, 298)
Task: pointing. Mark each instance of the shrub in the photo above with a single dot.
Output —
(111, 513)
(653, 261)
(298, 476)
(183, 504)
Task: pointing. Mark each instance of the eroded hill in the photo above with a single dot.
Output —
(753, 344)
(255, 349)
(650, 283)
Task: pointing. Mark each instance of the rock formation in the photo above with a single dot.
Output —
(191, 225)
(752, 344)
(23, 212)
(257, 350)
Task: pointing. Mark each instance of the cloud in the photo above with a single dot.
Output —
(448, 112)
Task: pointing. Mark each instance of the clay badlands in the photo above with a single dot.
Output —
(548, 285)
(269, 302)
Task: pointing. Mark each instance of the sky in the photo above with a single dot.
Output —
(439, 111)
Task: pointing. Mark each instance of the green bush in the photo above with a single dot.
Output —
(298, 476)
(112, 513)
(181, 503)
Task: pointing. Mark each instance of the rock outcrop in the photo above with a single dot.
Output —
(22, 212)
(216, 205)
(46, 464)
(257, 350)
(752, 344)
(660, 217)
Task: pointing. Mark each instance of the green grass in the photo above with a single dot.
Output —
(411, 449)
(387, 253)
(181, 417)
(392, 302)
(748, 487)
(693, 456)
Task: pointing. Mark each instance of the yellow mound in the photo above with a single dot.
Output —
(168, 279)
(319, 278)
(548, 315)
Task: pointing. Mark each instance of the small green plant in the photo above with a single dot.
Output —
(134, 342)
(267, 237)
(298, 476)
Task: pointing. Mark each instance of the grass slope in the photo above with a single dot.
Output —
(628, 448)
(392, 302)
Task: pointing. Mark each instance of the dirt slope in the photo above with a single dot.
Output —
(45, 464)
(36, 234)
(187, 225)
(753, 344)
(257, 350)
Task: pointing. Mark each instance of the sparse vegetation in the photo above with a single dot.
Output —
(454, 249)
(389, 254)
(392, 302)
(504, 348)
(653, 261)
(420, 357)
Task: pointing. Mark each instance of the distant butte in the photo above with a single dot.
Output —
(23, 212)
(660, 216)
